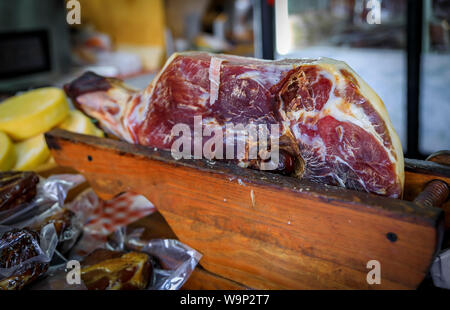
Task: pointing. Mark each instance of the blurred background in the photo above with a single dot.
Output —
(401, 48)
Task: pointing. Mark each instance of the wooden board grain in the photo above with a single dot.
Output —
(263, 230)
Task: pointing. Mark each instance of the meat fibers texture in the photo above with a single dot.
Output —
(334, 129)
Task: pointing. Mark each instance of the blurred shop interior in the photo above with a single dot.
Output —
(403, 53)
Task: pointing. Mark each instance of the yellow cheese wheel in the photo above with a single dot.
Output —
(7, 155)
(80, 123)
(34, 112)
(31, 153)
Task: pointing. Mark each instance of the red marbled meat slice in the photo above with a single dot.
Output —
(333, 125)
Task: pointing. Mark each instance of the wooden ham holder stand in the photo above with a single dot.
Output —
(261, 230)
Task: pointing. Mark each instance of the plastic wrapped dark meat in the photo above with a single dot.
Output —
(18, 246)
(114, 270)
(16, 188)
(67, 228)
(334, 129)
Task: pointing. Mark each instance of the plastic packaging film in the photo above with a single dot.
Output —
(90, 223)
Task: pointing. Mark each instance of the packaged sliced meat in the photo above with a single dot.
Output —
(68, 226)
(17, 188)
(332, 127)
(25, 195)
(24, 256)
(113, 270)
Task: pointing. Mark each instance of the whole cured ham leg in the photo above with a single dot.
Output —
(334, 129)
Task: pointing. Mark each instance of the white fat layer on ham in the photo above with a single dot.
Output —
(337, 108)
(214, 78)
(316, 143)
(355, 114)
(341, 111)
(332, 65)
(264, 80)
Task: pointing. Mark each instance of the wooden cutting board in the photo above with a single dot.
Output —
(262, 230)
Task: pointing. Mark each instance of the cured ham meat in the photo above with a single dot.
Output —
(334, 129)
